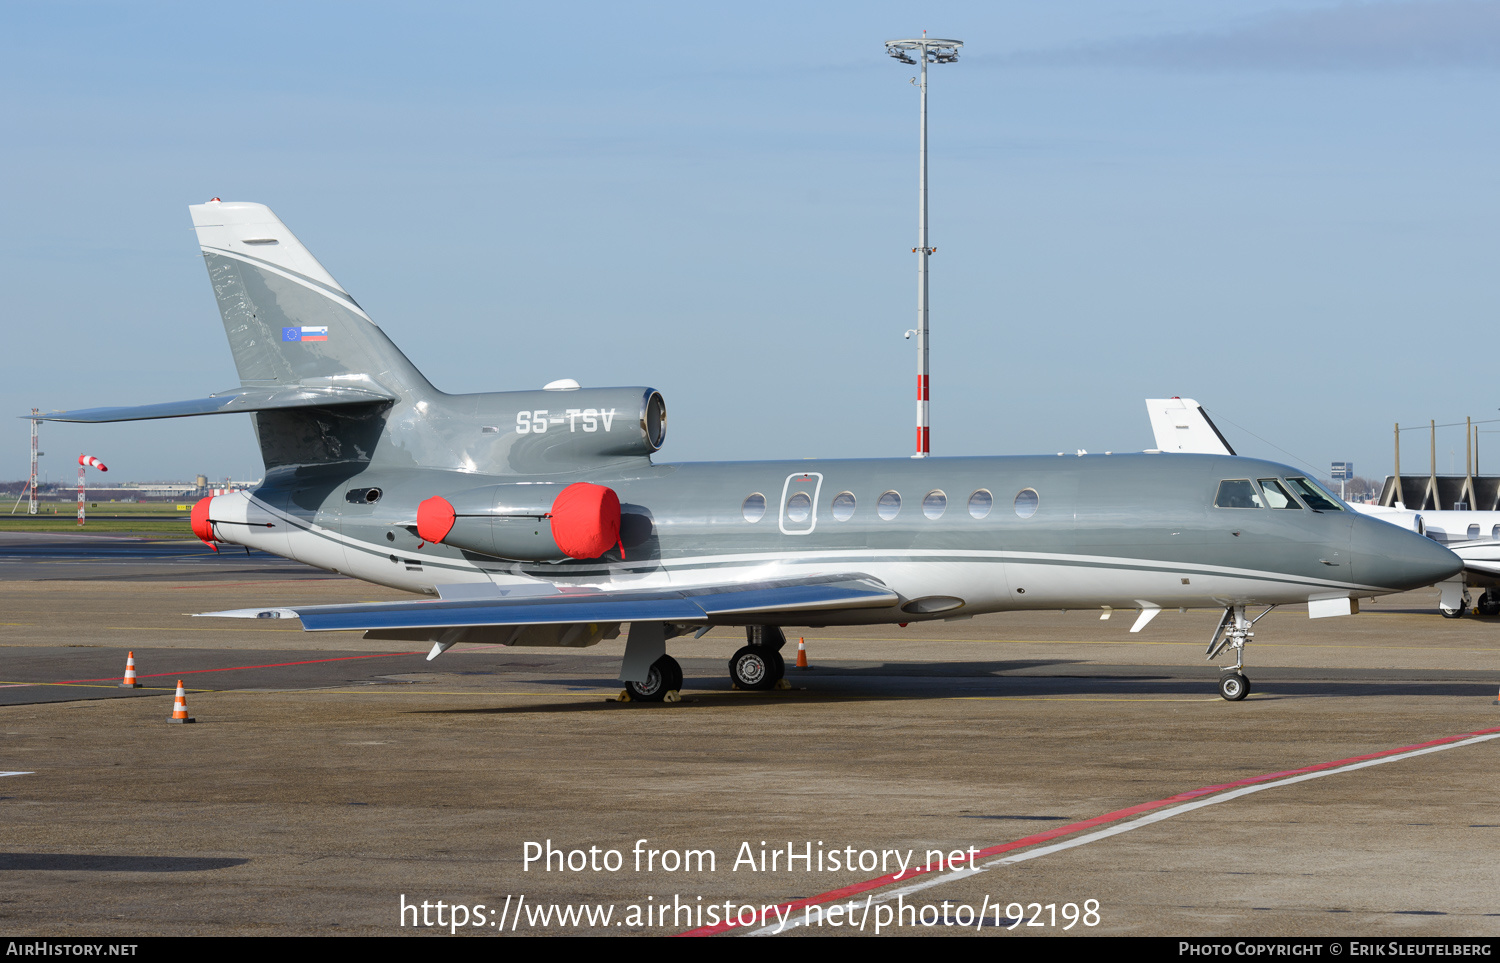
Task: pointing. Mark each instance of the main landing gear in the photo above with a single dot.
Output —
(758, 664)
(1488, 604)
(1233, 630)
(663, 680)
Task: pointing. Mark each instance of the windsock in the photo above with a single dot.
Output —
(89, 461)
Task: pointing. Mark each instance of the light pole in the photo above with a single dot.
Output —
(926, 50)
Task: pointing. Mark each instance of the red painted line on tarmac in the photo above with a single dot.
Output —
(232, 668)
(854, 889)
(283, 581)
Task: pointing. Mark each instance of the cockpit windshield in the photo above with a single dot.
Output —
(1317, 499)
(1276, 494)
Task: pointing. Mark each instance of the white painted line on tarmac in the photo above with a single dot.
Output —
(1377, 759)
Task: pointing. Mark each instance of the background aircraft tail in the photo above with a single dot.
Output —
(1181, 425)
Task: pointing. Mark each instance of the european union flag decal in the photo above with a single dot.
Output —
(291, 334)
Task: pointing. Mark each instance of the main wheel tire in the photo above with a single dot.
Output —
(664, 676)
(1233, 686)
(671, 671)
(1488, 605)
(778, 666)
(756, 667)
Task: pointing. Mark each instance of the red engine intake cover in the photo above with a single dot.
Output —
(202, 527)
(586, 520)
(435, 519)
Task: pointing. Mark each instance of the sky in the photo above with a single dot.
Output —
(1287, 211)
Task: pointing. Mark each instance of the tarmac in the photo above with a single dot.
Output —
(333, 785)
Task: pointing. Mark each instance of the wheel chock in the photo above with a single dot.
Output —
(672, 696)
(782, 684)
(179, 707)
(624, 696)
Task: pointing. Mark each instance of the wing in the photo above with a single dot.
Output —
(1480, 557)
(491, 614)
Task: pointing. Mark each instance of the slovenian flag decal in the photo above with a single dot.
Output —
(305, 334)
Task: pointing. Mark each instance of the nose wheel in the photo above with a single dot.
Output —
(1233, 686)
(1234, 632)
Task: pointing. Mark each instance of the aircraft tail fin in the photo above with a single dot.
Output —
(1181, 425)
(288, 321)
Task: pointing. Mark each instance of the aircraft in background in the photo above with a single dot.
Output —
(1181, 425)
(540, 518)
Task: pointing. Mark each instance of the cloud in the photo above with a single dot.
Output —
(1407, 35)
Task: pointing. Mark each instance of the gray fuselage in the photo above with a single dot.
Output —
(1117, 531)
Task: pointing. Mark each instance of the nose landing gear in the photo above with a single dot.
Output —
(1233, 630)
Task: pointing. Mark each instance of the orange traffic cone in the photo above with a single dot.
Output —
(179, 708)
(802, 653)
(130, 682)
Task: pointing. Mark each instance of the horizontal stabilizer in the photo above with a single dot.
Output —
(261, 398)
(761, 599)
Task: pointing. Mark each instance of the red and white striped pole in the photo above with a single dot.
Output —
(86, 461)
(31, 508)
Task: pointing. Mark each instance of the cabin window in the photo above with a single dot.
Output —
(980, 503)
(1026, 502)
(1238, 493)
(889, 505)
(754, 508)
(843, 506)
(798, 507)
(935, 504)
(1495, 533)
(1315, 497)
(1276, 494)
(1473, 532)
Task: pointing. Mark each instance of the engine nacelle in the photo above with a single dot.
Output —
(534, 523)
(537, 432)
(202, 526)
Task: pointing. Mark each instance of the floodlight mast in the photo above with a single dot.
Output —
(928, 50)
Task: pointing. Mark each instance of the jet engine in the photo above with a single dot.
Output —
(538, 432)
(532, 523)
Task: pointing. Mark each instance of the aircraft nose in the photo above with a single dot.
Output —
(1394, 558)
